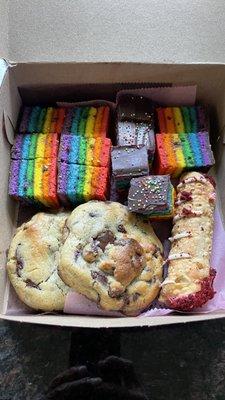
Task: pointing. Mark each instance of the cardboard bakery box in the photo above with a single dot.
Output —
(31, 83)
(27, 79)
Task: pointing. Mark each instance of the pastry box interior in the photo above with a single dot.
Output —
(94, 86)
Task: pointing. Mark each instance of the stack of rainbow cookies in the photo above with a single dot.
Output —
(84, 166)
(84, 121)
(33, 170)
(183, 142)
(84, 151)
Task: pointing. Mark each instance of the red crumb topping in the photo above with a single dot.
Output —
(211, 180)
(187, 211)
(195, 300)
(185, 196)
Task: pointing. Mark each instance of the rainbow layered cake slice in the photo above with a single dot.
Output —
(152, 196)
(42, 119)
(83, 168)
(33, 169)
(184, 119)
(135, 123)
(83, 121)
(79, 150)
(90, 122)
(128, 162)
(79, 183)
(178, 152)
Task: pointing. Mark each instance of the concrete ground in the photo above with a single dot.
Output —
(182, 362)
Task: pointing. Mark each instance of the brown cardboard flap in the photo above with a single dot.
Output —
(100, 322)
(93, 30)
(4, 42)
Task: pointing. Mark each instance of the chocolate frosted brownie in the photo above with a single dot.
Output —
(152, 195)
(135, 123)
(129, 162)
(135, 108)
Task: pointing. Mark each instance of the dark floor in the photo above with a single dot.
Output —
(181, 362)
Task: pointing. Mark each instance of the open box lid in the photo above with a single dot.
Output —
(93, 31)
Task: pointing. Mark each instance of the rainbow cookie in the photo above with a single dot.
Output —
(152, 196)
(87, 121)
(84, 121)
(33, 171)
(183, 119)
(179, 152)
(41, 119)
(79, 183)
(79, 150)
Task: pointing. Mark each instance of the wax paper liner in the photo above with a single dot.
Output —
(78, 304)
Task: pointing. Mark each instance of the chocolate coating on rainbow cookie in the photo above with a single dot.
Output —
(129, 161)
(151, 195)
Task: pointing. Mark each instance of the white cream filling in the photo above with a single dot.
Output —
(167, 282)
(177, 256)
(180, 236)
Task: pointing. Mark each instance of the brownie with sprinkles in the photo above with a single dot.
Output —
(134, 108)
(152, 195)
(135, 123)
(128, 162)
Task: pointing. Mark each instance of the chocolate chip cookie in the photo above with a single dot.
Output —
(112, 257)
(33, 261)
